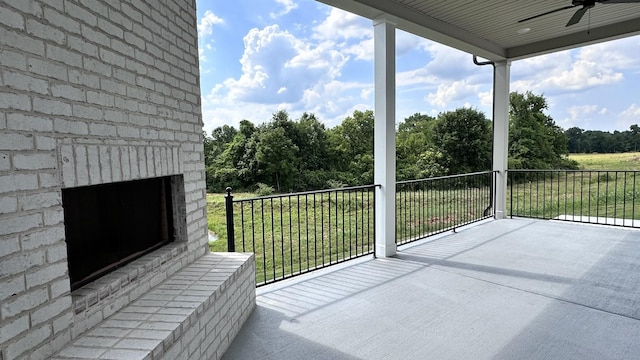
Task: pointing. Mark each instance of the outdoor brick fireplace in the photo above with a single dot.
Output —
(103, 229)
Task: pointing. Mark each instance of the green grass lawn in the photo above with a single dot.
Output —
(216, 219)
(621, 161)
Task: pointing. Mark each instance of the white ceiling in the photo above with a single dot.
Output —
(489, 28)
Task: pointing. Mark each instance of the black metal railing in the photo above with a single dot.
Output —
(597, 197)
(292, 234)
(431, 206)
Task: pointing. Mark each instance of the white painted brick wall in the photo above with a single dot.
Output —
(91, 92)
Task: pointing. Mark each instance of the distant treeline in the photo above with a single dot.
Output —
(293, 155)
(595, 141)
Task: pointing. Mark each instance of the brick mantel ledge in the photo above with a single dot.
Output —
(194, 314)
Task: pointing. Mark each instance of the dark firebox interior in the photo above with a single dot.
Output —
(107, 226)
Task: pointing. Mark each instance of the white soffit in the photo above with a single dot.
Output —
(490, 28)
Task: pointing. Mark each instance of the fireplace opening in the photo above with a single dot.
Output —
(109, 225)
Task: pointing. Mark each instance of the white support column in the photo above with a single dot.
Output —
(501, 74)
(385, 134)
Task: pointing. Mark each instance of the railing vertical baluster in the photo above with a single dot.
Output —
(315, 232)
(615, 197)
(369, 221)
(242, 222)
(558, 195)
(264, 245)
(537, 196)
(299, 235)
(337, 229)
(598, 197)
(291, 233)
(573, 194)
(350, 229)
(421, 212)
(356, 221)
(322, 227)
(273, 239)
(550, 195)
(342, 193)
(306, 217)
(330, 230)
(624, 198)
(634, 199)
(404, 213)
(510, 179)
(581, 191)
(492, 193)
(253, 228)
(231, 246)
(281, 200)
(410, 212)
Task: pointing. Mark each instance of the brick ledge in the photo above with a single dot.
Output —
(196, 313)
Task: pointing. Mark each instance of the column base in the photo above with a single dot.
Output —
(384, 251)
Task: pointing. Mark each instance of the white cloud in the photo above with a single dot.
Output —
(486, 99)
(343, 25)
(577, 111)
(582, 116)
(280, 70)
(205, 26)
(452, 91)
(351, 34)
(407, 43)
(577, 70)
(620, 54)
(288, 6)
(630, 116)
(274, 59)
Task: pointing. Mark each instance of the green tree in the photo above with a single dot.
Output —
(351, 147)
(235, 165)
(220, 137)
(277, 156)
(414, 148)
(463, 137)
(535, 141)
(635, 132)
(312, 141)
(575, 140)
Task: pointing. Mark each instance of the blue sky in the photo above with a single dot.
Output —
(257, 57)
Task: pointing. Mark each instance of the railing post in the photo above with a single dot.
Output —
(231, 245)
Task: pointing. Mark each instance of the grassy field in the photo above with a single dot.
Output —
(294, 234)
(216, 219)
(605, 189)
(622, 161)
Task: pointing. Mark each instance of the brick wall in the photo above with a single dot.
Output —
(90, 92)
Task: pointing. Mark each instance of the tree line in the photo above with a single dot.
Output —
(285, 154)
(595, 141)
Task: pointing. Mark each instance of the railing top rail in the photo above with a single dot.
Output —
(361, 187)
(569, 171)
(446, 177)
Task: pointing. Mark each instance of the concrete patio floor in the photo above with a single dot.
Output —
(508, 289)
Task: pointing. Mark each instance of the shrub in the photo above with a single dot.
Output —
(264, 189)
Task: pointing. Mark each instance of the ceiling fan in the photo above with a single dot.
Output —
(586, 5)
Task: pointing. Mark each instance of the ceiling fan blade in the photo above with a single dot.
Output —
(578, 16)
(548, 12)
